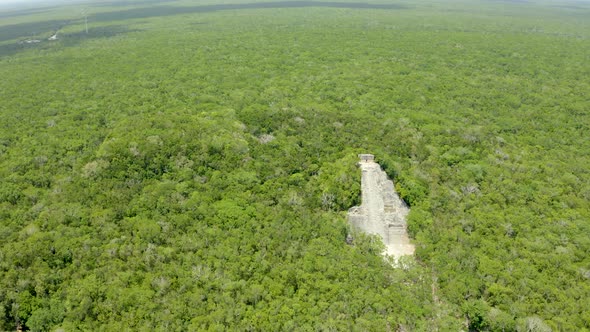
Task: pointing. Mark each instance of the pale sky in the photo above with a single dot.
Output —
(16, 1)
(12, 2)
(15, 4)
(28, 2)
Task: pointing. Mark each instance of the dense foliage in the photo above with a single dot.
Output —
(189, 169)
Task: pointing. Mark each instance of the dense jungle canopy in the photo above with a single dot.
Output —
(187, 166)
